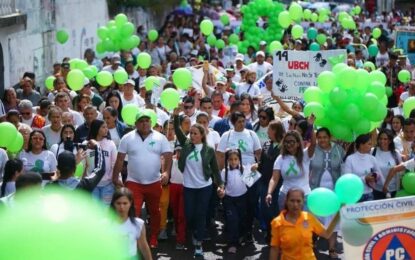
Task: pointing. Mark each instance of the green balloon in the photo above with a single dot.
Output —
(128, 113)
(369, 102)
(152, 35)
(152, 115)
(120, 76)
(144, 60)
(338, 97)
(377, 75)
(321, 38)
(376, 33)
(49, 82)
(373, 50)
(206, 27)
(356, 233)
(314, 17)
(284, 19)
(408, 182)
(211, 40)
(88, 72)
(275, 46)
(357, 10)
(8, 133)
(330, 206)
(378, 114)
(351, 113)
(408, 105)
(182, 78)
(388, 91)
(100, 47)
(62, 36)
(369, 64)
(349, 188)
(341, 131)
(233, 39)
(362, 126)
(104, 78)
(17, 144)
(170, 98)
(82, 64)
(127, 29)
(402, 193)
(322, 18)
(220, 44)
(60, 215)
(338, 68)
(79, 171)
(313, 94)
(102, 32)
(346, 78)
(296, 11)
(314, 108)
(377, 88)
(307, 14)
(326, 81)
(311, 33)
(150, 82)
(75, 79)
(297, 31)
(362, 80)
(111, 23)
(120, 19)
(404, 76)
(224, 19)
(314, 46)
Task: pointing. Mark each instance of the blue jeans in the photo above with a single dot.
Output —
(267, 214)
(104, 193)
(196, 205)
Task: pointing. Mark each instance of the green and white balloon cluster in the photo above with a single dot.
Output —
(117, 35)
(347, 101)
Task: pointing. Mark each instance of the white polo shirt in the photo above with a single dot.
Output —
(144, 161)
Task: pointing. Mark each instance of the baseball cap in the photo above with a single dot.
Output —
(239, 57)
(221, 81)
(130, 81)
(258, 53)
(142, 114)
(65, 65)
(86, 81)
(298, 42)
(262, 43)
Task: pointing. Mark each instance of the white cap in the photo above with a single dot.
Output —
(130, 81)
(86, 81)
(260, 53)
(262, 43)
(240, 57)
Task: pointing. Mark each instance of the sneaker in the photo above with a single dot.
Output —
(163, 235)
(232, 250)
(198, 251)
(153, 242)
(180, 246)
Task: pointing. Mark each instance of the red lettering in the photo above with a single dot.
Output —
(298, 65)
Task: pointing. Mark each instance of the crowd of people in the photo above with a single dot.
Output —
(195, 160)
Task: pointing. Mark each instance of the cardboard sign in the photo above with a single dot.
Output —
(381, 229)
(405, 40)
(295, 71)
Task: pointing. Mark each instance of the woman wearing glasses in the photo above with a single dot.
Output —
(265, 115)
(293, 166)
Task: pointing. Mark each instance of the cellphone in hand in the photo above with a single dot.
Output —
(47, 176)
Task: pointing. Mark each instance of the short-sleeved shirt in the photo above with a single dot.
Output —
(144, 156)
(132, 233)
(247, 141)
(45, 162)
(292, 174)
(295, 241)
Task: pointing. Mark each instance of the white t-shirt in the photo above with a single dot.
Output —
(176, 175)
(52, 137)
(399, 145)
(109, 68)
(213, 121)
(260, 70)
(382, 59)
(193, 176)
(251, 89)
(110, 156)
(144, 156)
(115, 137)
(292, 174)
(77, 117)
(132, 233)
(247, 141)
(404, 96)
(262, 134)
(410, 165)
(361, 165)
(38, 163)
(136, 100)
(10, 188)
(213, 138)
(386, 161)
(3, 159)
(235, 186)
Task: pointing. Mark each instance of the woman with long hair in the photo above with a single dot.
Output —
(292, 165)
(397, 124)
(10, 100)
(12, 170)
(99, 132)
(248, 108)
(131, 227)
(116, 128)
(114, 100)
(265, 116)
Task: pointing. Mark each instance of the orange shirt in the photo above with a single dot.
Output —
(295, 241)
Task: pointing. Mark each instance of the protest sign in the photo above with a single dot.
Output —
(381, 229)
(405, 40)
(295, 71)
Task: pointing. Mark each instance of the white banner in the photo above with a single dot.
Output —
(381, 229)
(295, 71)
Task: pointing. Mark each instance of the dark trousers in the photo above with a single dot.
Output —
(253, 201)
(267, 214)
(235, 218)
(378, 195)
(196, 204)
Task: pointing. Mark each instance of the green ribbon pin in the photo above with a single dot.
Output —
(241, 145)
(151, 143)
(292, 169)
(194, 156)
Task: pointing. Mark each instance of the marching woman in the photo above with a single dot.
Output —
(131, 227)
(199, 166)
(293, 166)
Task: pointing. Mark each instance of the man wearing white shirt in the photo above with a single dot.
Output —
(115, 64)
(62, 100)
(407, 94)
(128, 96)
(239, 66)
(146, 149)
(261, 67)
(248, 86)
(206, 106)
